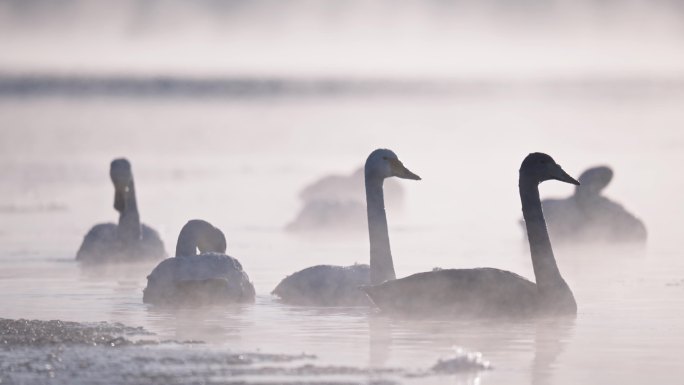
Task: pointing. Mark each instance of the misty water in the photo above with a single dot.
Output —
(240, 163)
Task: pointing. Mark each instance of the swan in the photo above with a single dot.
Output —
(326, 285)
(590, 217)
(129, 241)
(188, 278)
(488, 291)
(336, 202)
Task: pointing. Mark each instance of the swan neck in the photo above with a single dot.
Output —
(187, 242)
(129, 228)
(381, 265)
(545, 268)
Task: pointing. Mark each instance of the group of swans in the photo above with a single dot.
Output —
(488, 291)
(588, 216)
(213, 276)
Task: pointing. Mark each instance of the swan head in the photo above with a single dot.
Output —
(212, 240)
(121, 174)
(541, 167)
(594, 180)
(383, 163)
(200, 235)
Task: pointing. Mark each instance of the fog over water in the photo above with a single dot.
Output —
(588, 83)
(382, 38)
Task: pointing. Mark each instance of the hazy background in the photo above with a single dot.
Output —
(227, 109)
(435, 38)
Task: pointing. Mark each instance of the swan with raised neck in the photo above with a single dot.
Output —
(337, 285)
(381, 164)
(553, 290)
(590, 217)
(129, 240)
(125, 202)
(488, 291)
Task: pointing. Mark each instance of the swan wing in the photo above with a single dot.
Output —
(325, 285)
(457, 292)
(209, 277)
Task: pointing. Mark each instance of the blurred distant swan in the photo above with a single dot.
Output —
(488, 291)
(589, 216)
(326, 285)
(336, 202)
(188, 278)
(129, 241)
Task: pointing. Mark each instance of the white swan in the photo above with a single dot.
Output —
(129, 241)
(487, 291)
(336, 202)
(326, 285)
(587, 216)
(188, 278)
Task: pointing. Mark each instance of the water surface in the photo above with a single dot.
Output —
(240, 164)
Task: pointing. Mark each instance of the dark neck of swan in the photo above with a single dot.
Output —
(548, 277)
(187, 241)
(129, 229)
(381, 265)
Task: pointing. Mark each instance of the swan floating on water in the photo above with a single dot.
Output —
(326, 285)
(129, 241)
(587, 216)
(488, 291)
(210, 277)
(336, 202)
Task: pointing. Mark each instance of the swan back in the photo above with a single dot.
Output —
(482, 292)
(191, 279)
(325, 285)
(206, 278)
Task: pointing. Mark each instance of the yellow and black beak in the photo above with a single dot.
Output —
(400, 171)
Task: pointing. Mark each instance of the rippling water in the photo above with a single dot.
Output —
(240, 164)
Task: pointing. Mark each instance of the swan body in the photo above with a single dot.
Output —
(588, 216)
(336, 202)
(129, 240)
(488, 292)
(458, 292)
(208, 278)
(103, 245)
(326, 285)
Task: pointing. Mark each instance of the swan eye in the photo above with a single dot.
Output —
(384, 157)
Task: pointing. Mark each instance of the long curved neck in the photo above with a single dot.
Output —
(546, 271)
(129, 228)
(187, 242)
(381, 265)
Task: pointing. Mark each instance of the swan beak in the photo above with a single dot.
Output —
(559, 174)
(400, 171)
